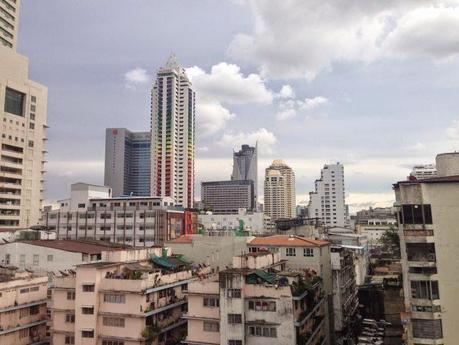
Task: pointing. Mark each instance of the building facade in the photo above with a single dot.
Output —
(251, 222)
(257, 302)
(23, 112)
(173, 134)
(424, 171)
(328, 200)
(279, 197)
(428, 217)
(245, 167)
(127, 162)
(22, 307)
(228, 197)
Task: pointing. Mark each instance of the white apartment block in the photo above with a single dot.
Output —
(173, 134)
(23, 111)
(328, 200)
(428, 218)
(424, 171)
(279, 196)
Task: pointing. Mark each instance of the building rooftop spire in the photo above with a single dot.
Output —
(172, 62)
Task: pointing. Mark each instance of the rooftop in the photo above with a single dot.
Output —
(182, 239)
(85, 247)
(288, 241)
(439, 179)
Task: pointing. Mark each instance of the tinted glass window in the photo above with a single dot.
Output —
(427, 214)
(417, 214)
(14, 102)
(407, 214)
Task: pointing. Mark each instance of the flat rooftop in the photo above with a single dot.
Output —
(288, 241)
(78, 246)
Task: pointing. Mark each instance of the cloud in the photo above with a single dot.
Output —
(223, 86)
(452, 131)
(136, 77)
(286, 92)
(301, 38)
(266, 140)
(290, 108)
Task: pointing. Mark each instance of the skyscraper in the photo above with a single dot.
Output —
(245, 167)
(127, 162)
(23, 109)
(279, 196)
(328, 200)
(172, 134)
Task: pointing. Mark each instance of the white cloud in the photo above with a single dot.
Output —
(211, 115)
(266, 140)
(301, 38)
(286, 92)
(290, 108)
(313, 103)
(135, 77)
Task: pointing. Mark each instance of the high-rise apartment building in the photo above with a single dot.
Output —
(428, 218)
(279, 196)
(228, 196)
(127, 162)
(23, 109)
(328, 200)
(173, 134)
(424, 171)
(9, 18)
(245, 167)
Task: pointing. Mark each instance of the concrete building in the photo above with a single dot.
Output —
(173, 134)
(374, 223)
(137, 221)
(428, 218)
(22, 307)
(424, 171)
(250, 222)
(134, 297)
(228, 197)
(279, 197)
(345, 294)
(245, 167)
(257, 302)
(23, 112)
(328, 200)
(127, 162)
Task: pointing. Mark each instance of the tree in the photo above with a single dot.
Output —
(390, 241)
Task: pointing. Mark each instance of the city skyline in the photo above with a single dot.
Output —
(287, 116)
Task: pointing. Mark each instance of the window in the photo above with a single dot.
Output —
(234, 293)
(87, 310)
(308, 252)
(34, 310)
(30, 143)
(33, 99)
(25, 290)
(14, 102)
(114, 298)
(22, 260)
(424, 289)
(113, 321)
(291, 251)
(211, 302)
(416, 214)
(23, 333)
(234, 318)
(88, 288)
(70, 318)
(71, 295)
(261, 305)
(87, 334)
(50, 257)
(112, 342)
(23, 313)
(69, 340)
(234, 342)
(259, 331)
(32, 125)
(427, 329)
(209, 326)
(81, 205)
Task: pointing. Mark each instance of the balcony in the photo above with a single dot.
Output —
(418, 236)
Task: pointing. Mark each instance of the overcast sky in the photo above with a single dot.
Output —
(371, 84)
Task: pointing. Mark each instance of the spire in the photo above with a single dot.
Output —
(172, 62)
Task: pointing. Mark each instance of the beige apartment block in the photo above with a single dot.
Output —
(255, 302)
(428, 219)
(23, 299)
(23, 109)
(131, 297)
(279, 197)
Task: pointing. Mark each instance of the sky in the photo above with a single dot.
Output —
(372, 85)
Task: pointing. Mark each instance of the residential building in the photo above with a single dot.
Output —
(53, 256)
(228, 197)
(137, 221)
(23, 112)
(257, 302)
(22, 307)
(423, 171)
(345, 293)
(428, 218)
(374, 223)
(132, 298)
(173, 134)
(245, 167)
(127, 162)
(328, 200)
(250, 222)
(279, 197)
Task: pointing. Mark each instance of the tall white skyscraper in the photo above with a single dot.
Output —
(245, 166)
(328, 200)
(173, 134)
(23, 112)
(279, 193)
